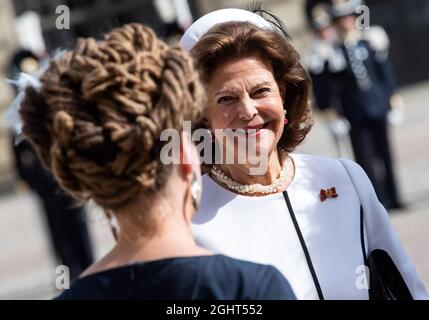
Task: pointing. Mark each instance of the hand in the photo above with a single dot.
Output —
(339, 126)
(396, 102)
(396, 113)
(329, 114)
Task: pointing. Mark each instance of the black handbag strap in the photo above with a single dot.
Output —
(304, 246)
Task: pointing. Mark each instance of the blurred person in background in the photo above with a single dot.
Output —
(366, 90)
(96, 122)
(66, 221)
(322, 58)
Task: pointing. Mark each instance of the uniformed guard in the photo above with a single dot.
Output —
(322, 59)
(365, 88)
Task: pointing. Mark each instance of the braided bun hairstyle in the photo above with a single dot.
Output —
(97, 120)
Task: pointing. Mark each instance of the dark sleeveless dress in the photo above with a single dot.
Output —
(215, 277)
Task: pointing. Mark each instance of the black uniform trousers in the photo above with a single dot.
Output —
(371, 147)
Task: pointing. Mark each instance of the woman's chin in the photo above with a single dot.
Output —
(262, 146)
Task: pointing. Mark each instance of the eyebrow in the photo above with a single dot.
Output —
(263, 84)
(227, 89)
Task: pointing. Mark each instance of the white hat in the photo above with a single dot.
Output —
(206, 22)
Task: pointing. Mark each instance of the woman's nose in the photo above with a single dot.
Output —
(247, 109)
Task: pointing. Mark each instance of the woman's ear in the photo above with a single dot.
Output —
(206, 121)
(186, 157)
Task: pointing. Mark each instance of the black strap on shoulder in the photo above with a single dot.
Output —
(304, 246)
(362, 237)
(364, 254)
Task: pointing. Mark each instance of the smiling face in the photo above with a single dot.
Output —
(243, 94)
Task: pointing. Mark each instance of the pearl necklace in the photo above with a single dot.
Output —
(252, 188)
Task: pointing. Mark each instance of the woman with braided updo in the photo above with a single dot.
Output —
(96, 122)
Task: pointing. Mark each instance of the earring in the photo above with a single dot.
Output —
(113, 223)
(212, 135)
(286, 121)
(196, 187)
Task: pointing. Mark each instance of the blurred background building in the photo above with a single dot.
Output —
(31, 24)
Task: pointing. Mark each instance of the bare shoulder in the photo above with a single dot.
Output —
(103, 264)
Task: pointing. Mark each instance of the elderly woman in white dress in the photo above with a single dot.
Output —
(316, 219)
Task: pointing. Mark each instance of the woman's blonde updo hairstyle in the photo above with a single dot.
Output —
(97, 120)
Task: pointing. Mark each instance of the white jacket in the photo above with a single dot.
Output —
(261, 229)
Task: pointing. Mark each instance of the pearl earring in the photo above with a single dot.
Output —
(286, 121)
